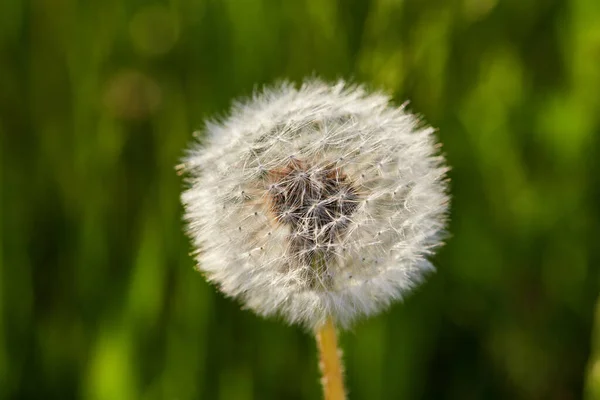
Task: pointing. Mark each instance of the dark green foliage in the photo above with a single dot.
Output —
(98, 99)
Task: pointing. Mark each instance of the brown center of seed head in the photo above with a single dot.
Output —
(317, 203)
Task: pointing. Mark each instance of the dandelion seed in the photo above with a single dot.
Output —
(339, 178)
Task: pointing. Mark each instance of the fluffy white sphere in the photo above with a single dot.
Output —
(317, 202)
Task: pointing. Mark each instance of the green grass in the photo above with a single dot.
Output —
(98, 99)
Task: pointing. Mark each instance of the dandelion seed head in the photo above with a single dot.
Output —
(315, 202)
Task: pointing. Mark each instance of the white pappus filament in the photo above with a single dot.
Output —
(315, 202)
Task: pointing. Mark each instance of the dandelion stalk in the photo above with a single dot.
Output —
(332, 375)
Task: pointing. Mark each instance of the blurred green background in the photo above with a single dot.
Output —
(98, 99)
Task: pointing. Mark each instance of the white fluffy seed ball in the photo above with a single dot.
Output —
(323, 201)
